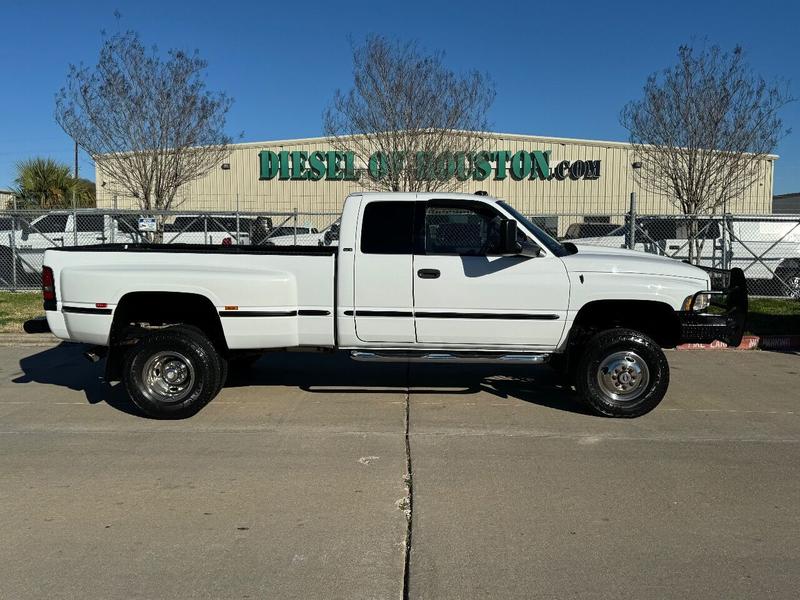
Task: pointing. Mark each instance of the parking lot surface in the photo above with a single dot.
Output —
(289, 484)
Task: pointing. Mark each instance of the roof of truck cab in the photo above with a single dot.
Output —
(425, 196)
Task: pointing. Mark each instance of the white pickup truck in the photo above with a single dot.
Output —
(415, 277)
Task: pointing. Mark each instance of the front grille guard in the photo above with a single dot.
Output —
(726, 316)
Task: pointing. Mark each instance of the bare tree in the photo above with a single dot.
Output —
(415, 121)
(150, 125)
(703, 129)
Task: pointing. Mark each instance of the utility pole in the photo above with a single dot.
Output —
(74, 206)
(632, 214)
(75, 176)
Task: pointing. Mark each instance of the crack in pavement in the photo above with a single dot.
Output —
(408, 479)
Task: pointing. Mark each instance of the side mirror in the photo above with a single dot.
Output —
(26, 231)
(508, 237)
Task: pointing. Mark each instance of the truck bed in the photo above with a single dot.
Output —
(264, 297)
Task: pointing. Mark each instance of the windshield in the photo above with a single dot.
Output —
(544, 238)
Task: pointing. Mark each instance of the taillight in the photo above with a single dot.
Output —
(48, 285)
(226, 241)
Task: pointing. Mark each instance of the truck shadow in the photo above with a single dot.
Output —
(65, 366)
(326, 373)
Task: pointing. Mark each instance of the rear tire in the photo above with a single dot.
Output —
(172, 373)
(622, 373)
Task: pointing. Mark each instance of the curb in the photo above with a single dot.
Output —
(751, 342)
(28, 339)
(780, 342)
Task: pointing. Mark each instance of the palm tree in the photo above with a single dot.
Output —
(46, 183)
(41, 182)
(85, 193)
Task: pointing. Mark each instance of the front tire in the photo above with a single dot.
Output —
(172, 373)
(622, 373)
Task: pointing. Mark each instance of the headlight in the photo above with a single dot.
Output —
(702, 301)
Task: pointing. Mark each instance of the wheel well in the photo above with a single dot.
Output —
(139, 311)
(157, 309)
(655, 319)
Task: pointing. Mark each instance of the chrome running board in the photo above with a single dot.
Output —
(448, 357)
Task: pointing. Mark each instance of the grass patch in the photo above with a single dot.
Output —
(773, 316)
(18, 307)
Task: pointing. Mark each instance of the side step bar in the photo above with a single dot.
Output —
(446, 357)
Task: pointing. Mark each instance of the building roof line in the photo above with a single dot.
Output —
(492, 134)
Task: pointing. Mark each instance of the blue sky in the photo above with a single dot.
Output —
(561, 68)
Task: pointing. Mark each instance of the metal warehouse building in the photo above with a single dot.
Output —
(538, 175)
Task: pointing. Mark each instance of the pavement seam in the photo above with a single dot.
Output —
(409, 483)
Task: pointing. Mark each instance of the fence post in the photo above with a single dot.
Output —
(14, 248)
(114, 220)
(727, 241)
(632, 223)
(74, 220)
(237, 219)
(295, 226)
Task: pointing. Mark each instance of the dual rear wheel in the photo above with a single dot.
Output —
(173, 372)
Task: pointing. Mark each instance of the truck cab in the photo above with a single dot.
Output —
(432, 272)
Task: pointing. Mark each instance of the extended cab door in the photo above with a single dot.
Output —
(383, 272)
(466, 293)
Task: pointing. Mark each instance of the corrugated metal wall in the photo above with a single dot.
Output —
(240, 186)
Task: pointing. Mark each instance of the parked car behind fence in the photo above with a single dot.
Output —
(765, 247)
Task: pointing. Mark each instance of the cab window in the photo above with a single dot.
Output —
(90, 222)
(388, 228)
(51, 224)
(461, 229)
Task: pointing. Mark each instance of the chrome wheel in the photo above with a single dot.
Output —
(623, 376)
(167, 377)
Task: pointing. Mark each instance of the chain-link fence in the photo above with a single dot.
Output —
(765, 247)
(25, 235)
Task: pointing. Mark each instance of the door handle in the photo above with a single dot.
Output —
(428, 273)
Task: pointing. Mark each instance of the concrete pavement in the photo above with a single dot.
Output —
(287, 484)
(286, 494)
(517, 494)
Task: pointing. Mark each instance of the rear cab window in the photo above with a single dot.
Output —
(387, 227)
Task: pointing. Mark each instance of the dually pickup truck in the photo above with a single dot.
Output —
(438, 278)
